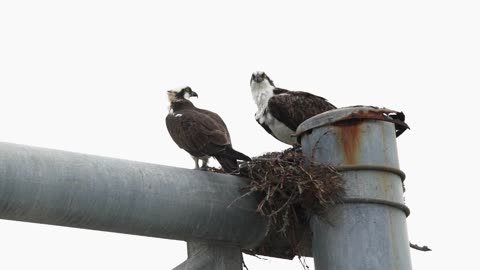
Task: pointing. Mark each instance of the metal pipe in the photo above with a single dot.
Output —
(205, 256)
(84, 191)
(369, 230)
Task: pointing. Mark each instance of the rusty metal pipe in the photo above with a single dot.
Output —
(369, 230)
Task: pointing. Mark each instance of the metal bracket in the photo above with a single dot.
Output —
(207, 256)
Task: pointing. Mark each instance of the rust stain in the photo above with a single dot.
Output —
(349, 132)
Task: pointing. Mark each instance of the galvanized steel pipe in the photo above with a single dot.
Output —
(369, 230)
(76, 190)
(205, 256)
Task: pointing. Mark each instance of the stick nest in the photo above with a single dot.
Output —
(290, 191)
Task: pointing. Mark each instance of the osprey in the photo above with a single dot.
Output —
(280, 111)
(201, 133)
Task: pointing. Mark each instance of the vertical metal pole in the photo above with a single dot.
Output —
(367, 231)
(207, 256)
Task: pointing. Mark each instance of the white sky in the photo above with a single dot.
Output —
(90, 77)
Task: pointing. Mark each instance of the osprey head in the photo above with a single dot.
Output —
(260, 77)
(180, 93)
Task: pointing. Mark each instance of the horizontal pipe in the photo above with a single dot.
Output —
(91, 192)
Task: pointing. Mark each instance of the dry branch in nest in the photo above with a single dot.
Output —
(290, 190)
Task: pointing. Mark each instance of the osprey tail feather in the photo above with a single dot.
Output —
(228, 159)
(229, 152)
(228, 164)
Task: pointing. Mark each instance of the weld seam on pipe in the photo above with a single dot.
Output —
(389, 169)
(396, 205)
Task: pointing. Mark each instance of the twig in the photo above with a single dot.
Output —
(303, 263)
(255, 255)
(283, 206)
(243, 264)
(309, 175)
(417, 247)
(286, 223)
(238, 198)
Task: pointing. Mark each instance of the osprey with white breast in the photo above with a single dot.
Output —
(280, 111)
(201, 133)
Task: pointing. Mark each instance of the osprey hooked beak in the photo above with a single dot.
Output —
(186, 93)
(258, 76)
(181, 93)
(194, 94)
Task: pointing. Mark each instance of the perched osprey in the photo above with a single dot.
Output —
(280, 111)
(201, 133)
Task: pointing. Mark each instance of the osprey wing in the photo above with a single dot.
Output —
(267, 128)
(220, 124)
(196, 132)
(294, 107)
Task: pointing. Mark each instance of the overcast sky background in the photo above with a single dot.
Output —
(91, 76)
